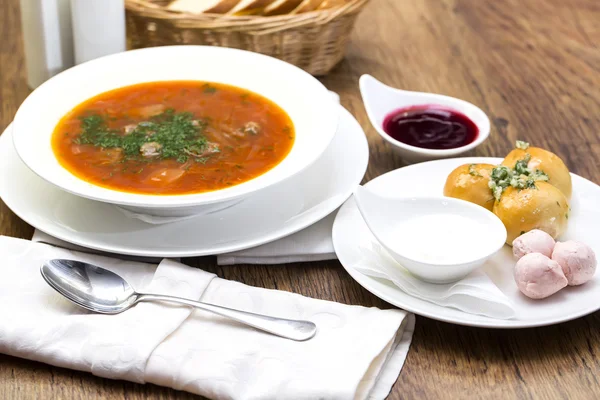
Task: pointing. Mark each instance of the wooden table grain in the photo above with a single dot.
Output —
(533, 66)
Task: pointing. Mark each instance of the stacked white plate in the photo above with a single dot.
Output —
(327, 161)
(267, 216)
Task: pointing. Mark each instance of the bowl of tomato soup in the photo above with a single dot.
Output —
(175, 130)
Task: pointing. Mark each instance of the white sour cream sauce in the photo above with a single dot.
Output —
(440, 238)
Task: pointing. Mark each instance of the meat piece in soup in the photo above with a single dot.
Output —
(150, 149)
(178, 137)
(252, 128)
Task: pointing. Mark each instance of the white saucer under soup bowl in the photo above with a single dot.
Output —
(382, 100)
(305, 100)
(268, 215)
(437, 239)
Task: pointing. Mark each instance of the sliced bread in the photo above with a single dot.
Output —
(203, 6)
(331, 4)
(250, 7)
(307, 5)
(280, 7)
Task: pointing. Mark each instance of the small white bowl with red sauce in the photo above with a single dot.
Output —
(423, 126)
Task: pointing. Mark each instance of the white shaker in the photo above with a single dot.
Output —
(98, 28)
(47, 37)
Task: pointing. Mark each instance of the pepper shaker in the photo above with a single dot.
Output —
(48, 39)
(98, 28)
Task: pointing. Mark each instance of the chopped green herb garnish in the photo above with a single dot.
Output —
(521, 165)
(520, 178)
(473, 171)
(500, 178)
(206, 88)
(169, 135)
(539, 175)
(497, 192)
(519, 144)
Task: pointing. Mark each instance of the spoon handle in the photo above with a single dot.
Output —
(287, 328)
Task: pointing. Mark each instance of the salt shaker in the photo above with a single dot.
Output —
(98, 28)
(47, 37)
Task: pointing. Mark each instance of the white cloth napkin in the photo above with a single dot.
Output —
(474, 294)
(43, 237)
(311, 244)
(357, 353)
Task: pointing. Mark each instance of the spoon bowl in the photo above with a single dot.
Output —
(380, 100)
(91, 287)
(105, 292)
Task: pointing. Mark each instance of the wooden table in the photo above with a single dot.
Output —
(533, 66)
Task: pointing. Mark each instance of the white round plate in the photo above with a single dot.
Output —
(269, 215)
(350, 234)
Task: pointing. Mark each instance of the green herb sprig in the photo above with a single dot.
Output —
(519, 177)
(473, 171)
(178, 136)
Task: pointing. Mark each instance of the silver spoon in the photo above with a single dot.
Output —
(103, 291)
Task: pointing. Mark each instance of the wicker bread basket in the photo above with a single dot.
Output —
(314, 41)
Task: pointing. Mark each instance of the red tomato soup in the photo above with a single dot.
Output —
(170, 138)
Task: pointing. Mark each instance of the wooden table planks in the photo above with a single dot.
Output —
(533, 66)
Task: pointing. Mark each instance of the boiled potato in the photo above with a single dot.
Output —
(470, 182)
(542, 207)
(546, 161)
